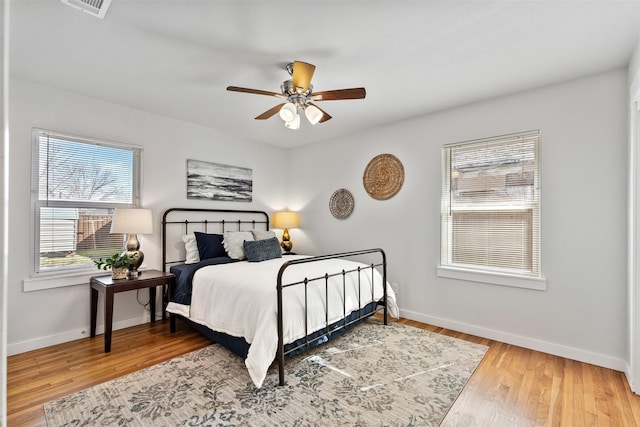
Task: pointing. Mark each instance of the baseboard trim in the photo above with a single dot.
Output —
(521, 341)
(627, 374)
(41, 342)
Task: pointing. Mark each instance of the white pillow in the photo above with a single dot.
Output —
(191, 248)
(263, 234)
(233, 243)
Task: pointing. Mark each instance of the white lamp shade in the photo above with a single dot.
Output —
(293, 124)
(288, 112)
(313, 113)
(285, 219)
(132, 221)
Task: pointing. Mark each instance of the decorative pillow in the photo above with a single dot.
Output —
(191, 248)
(262, 250)
(263, 234)
(233, 241)
(209, 245)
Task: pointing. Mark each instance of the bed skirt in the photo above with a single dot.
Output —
(240, 346)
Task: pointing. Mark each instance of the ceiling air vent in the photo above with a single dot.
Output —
(96, 8)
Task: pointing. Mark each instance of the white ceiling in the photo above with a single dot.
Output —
(176, 57)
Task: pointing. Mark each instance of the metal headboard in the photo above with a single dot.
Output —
(186, 220)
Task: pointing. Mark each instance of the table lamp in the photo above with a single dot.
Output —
(132, 222)
(286, 220)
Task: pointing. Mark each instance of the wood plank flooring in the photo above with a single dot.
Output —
(512, 386)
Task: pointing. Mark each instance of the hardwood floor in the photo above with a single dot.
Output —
(512, 386)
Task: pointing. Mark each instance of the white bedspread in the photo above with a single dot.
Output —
(240, 299)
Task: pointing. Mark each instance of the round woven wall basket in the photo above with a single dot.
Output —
(383, 176)
(341, 203)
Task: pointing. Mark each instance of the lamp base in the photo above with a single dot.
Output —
(139, 257)
(132, 248)
(286, 243)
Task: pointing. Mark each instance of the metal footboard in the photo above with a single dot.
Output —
(348, 318)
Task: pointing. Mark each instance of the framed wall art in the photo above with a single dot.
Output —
(215, 181)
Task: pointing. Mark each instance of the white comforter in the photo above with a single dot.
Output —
(240, 299)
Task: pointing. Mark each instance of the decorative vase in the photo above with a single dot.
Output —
(119, 273)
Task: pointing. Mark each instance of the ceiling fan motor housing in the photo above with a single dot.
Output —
(295, 94)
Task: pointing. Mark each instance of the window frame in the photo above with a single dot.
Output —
(39, 279)
(475, 272)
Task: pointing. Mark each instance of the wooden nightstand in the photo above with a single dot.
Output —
(107, 286)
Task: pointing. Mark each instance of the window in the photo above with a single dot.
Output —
(76, 185)
(491, 206)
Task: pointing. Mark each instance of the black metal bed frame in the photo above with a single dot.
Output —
(205, 222)
(345, 323)
(348, 320)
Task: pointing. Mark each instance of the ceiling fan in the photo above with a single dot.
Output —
(298, 95)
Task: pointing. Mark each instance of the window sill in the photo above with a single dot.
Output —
(502, 279)
(51, 281)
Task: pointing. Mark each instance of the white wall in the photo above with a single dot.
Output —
(40, 318)
(583, 123)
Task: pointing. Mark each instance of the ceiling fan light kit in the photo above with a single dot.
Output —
(293, 123)
(288, 112)
(313, 113)
(298, 94)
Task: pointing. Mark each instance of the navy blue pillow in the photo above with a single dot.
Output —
(209, 245)
(262, 250)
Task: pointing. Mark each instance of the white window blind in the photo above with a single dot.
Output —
(491, 205)
(76, 185)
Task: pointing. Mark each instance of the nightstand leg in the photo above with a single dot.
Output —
(108, 320)
(94, 311)
(152, 303)
(165, 300)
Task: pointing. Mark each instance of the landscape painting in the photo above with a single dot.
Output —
(215, 181)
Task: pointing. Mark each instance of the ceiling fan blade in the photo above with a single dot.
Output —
(338, 94)
(254, 91)
(325, 116)
(302, 73)
(270, 112)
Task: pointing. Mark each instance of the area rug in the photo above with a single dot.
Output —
(375, 375)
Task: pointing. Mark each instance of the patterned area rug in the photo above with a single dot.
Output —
(374, 375)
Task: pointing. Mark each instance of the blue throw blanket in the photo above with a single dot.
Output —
(184, 276)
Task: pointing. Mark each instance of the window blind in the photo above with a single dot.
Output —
(76, 185)
(73, 171)
(491, 204)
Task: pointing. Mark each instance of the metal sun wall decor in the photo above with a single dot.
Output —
(215, 181)
(383, 177)
(341, 203)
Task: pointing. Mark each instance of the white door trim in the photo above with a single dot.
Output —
(633, 371)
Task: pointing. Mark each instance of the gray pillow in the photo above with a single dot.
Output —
(262, 250)
(262, 234)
